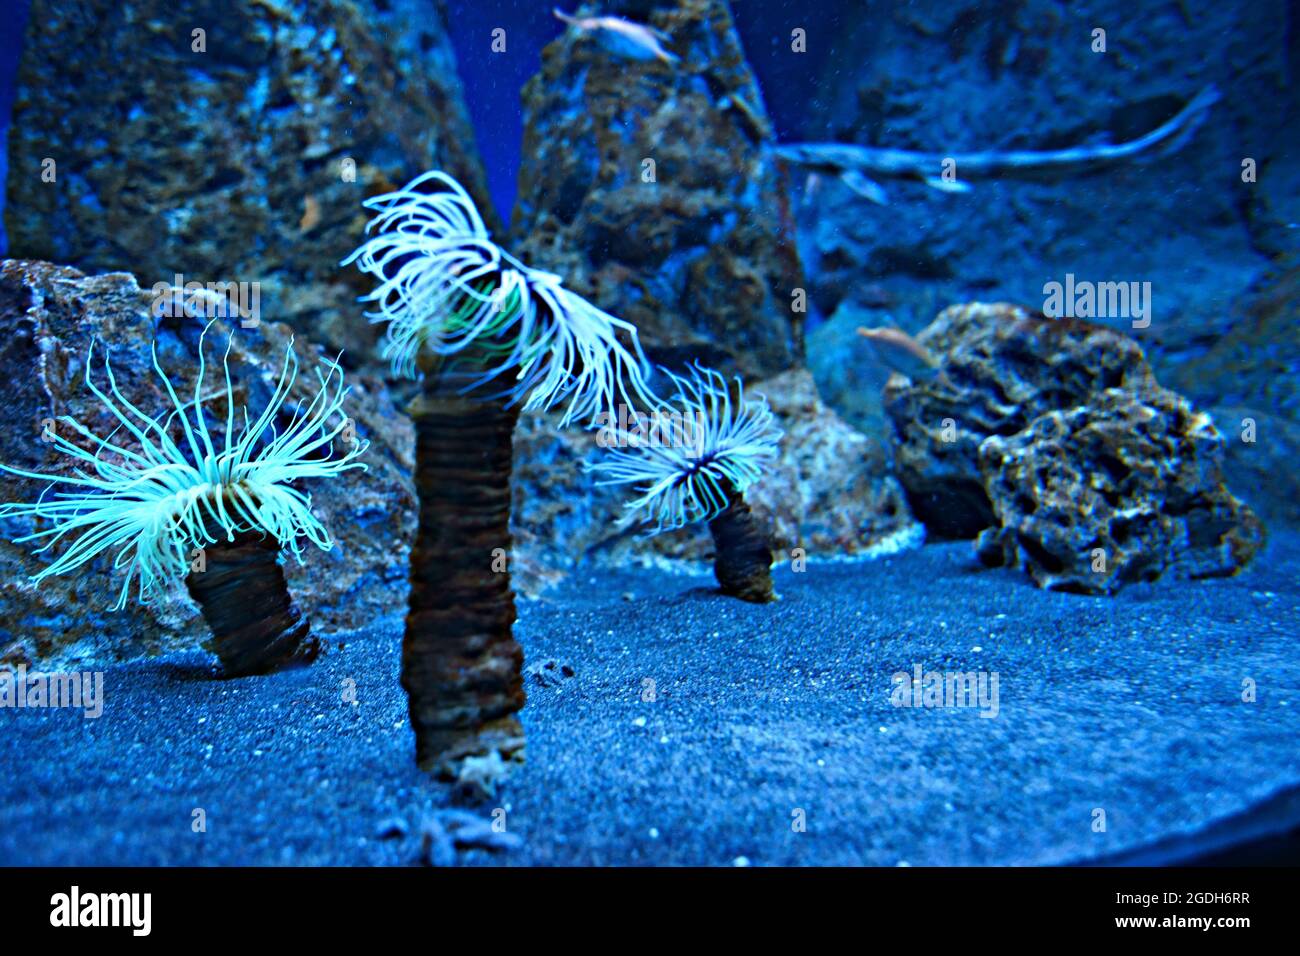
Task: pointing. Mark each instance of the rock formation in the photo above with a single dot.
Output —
(1123, 489)
(229, 142)
(649, 186)
(1051, 439)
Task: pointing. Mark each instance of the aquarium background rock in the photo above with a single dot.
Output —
(701, 259)
(1247, 377)
(227, 165)
(49, 315)
(947, 77)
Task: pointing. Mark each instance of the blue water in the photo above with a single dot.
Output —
(13, 20)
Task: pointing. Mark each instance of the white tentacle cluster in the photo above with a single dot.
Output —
(154, 499)
(687, 481)
(446, 286)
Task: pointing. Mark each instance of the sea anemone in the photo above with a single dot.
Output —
(173, 500)
(719, 442)
(491, 336)
(446, 290)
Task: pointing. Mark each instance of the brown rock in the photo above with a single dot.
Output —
(229, 163)
(1123, 489)
(648, 187)
(1051, 439)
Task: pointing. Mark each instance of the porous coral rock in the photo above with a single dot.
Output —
(1050, 439)
(48, 316)
(1003, 366)
(1123, 489)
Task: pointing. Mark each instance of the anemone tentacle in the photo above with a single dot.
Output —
(157, 500)
(446, 286)
(692, 479)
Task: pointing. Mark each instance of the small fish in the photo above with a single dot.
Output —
(755, 124)
(811, 185)
(632, 41)
(310, 214)
(902, 353)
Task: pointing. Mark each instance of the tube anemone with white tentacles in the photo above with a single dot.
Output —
(179, 497)
(448, 291)
(704, 477)
(491, 337)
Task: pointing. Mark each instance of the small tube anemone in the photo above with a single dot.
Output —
(492, 336)
(722, 442)
(446, 288)
(175, 497)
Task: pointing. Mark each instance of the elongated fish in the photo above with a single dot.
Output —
(632, 41)
(856, 165)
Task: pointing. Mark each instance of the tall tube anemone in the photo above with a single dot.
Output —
(491, 337)
(717, 443)
(174, 500)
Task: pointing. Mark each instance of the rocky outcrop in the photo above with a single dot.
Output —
(230, 141)
(1052, 441)
(1003, 367)
(48, 317)
(650, 187)
(828, 493)
(1123, 489)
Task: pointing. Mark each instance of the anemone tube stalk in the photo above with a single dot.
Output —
(177, 501)
(490, 337)
(698, 468)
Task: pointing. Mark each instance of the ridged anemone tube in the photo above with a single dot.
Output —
(490, 337)
(184, 494)
(694, 462)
